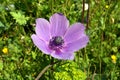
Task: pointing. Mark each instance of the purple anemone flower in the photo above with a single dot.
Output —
(57, 38)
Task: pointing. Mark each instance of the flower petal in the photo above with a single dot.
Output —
(59, 24)
(43, 29)
(40, 44)
(75, 32)
(76, 45)
(63, 55)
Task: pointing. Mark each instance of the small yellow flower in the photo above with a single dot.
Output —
(107, 6)
(33, 74)
(114, 58)
(5, 50)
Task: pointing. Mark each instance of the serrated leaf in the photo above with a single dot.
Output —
(19, 17)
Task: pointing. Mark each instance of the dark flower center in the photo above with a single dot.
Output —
(56, 43)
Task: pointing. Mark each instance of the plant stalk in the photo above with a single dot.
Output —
(44, 70)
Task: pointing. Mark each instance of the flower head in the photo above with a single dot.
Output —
(5, 50)
(57, 39)
(114, 58)
(107, 6)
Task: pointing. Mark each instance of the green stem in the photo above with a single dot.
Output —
(88, 14)
(100, 65)
(83, 11)
(44, 70)
(51, 5)
(26, 4)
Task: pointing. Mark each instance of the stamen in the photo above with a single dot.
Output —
(56, 43)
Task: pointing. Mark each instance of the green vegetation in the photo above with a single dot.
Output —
(21, 60)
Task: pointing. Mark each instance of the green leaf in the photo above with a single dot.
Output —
(118, 25)
(69, 71)
(1, 64)
(1, 24)
(19, 17)
(106, 59)
(34, 55)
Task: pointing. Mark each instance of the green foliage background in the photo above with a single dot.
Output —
(24, 61)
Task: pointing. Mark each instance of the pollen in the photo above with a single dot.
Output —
(5, 50)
